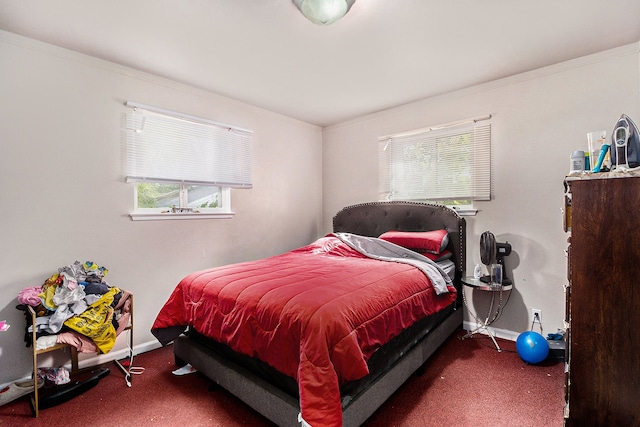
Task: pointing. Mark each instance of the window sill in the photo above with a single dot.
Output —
(136, 216)
(465, 211)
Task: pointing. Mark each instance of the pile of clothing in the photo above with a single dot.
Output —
(76, 298)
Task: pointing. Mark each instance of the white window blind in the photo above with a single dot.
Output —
(453, 163)
(163, 146)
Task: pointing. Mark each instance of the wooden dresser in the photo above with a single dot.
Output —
(603, 300)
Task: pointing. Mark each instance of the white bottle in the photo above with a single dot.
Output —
(477, 272)
(577, 161)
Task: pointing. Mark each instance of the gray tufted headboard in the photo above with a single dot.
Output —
(373, 219)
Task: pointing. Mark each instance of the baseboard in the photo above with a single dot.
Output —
(103, 358)
(499, 333)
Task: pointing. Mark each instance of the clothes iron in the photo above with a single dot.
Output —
(625, 147)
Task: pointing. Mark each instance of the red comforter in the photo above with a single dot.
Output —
(316, 313)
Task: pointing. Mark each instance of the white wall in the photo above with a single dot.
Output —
(64, 197)
(539, 118)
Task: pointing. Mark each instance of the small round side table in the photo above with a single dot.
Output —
(495, 307)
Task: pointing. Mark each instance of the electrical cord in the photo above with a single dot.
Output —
(128, 365)
(486, 342)
(533, 322)
(500, 311)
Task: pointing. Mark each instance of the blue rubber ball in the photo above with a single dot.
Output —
(532, 347)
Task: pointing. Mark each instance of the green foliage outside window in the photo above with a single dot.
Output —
(212, 204)
(158, 195)
(151, 195)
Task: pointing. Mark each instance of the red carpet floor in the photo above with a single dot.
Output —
(466, 383)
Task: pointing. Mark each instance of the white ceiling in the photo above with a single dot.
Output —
(383, 53)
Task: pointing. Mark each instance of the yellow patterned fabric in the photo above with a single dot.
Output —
(96, 322)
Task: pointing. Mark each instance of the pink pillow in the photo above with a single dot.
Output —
(429, 241)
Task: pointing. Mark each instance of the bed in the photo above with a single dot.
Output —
(324, 334)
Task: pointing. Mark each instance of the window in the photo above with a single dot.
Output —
(154, 195)
(449, 165)
(184, 166)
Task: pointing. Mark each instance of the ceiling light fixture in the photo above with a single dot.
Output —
(324, 12)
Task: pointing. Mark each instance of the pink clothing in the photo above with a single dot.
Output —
(29, 296)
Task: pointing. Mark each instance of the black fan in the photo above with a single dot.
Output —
(492, 252)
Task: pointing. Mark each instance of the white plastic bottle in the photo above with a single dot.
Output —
(577, 162)
(477, 272)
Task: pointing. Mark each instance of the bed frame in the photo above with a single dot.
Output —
(368, 219)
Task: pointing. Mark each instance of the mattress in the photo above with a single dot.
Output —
(379, 363)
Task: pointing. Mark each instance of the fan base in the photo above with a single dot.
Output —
(487, 279)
